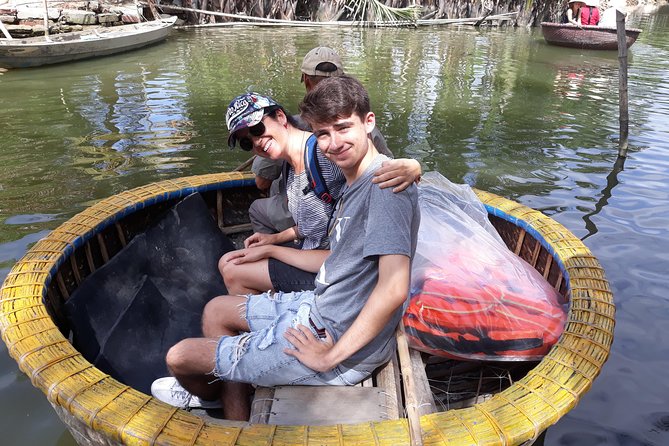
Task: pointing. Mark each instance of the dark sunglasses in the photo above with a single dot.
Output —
(257, 130)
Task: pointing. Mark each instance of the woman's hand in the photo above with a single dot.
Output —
(398, 174)
(246, 255)
(260, 239)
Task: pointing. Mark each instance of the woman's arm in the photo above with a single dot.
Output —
(260, 239)
(304, 259)
(574, 20)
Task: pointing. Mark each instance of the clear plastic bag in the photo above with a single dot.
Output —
(472, 298)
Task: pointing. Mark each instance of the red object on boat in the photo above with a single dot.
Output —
(483, 317)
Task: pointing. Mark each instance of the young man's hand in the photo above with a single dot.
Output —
(308, 349)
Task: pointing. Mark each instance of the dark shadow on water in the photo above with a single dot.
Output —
(611, 182)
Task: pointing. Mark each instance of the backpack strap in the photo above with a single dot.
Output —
(285, 167)
(314, 173)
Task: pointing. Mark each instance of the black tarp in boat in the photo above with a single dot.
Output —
(127, 314)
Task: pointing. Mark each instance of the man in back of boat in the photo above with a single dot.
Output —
(339, 333)
(271, 214)
(608, 19)
(590, 13)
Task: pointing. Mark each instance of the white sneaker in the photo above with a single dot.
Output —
(168, 390)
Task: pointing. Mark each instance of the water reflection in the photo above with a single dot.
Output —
(131, 114)
(607, 192)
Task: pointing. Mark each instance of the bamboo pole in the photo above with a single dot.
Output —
(622, 84)
(4, 31)
(411, 397)
(46, 21)
(245, 165)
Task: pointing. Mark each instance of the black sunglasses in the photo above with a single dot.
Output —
(257, 130)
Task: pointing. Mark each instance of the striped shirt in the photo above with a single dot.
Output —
(310, 213)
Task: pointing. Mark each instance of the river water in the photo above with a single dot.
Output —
(496, 108)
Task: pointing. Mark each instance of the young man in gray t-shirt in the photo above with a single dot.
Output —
(363, 284)
(337, 334)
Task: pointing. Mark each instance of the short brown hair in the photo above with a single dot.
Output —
(334, 98)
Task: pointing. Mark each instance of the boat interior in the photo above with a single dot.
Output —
(411, 385)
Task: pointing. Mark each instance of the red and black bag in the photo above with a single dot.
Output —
(472, 298)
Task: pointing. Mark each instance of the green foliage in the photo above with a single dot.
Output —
(375, 11)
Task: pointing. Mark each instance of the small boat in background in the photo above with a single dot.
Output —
(37, 51)
(586, 37)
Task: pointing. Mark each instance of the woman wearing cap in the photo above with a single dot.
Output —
(574, 12)
(260, 124)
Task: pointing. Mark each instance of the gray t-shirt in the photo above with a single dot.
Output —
(368, 222)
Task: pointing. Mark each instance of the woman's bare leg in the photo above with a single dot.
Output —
(246, 278)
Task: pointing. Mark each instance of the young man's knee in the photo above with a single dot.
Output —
(178, 357)
(224, 315)
(192, 356)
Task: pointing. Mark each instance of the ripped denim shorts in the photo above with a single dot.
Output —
(258, 357)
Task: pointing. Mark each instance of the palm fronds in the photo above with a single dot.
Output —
(376, 11)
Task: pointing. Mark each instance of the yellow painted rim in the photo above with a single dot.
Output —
(92, 401)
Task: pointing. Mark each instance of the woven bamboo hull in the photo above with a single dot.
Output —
(100, 410)
(585, 37)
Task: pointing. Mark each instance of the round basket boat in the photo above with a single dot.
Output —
(586, 37)
(101, 410)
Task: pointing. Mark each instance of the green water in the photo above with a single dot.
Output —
(496, 108)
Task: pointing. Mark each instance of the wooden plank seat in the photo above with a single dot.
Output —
(397, 389)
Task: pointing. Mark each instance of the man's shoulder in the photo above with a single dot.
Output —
(380, 143)
(410, 194)
(267, 168)
(385, 200)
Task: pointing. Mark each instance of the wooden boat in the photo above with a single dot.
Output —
(37, 51)
(586, 37)
(101, 410)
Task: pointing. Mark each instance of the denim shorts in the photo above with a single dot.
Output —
(287, 278)
(258, 357)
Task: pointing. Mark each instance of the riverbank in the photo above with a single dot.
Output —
(526, 13)
(27, 19)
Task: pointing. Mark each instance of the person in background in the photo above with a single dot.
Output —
(608, 19)
(590, 13)
(342, 331)
(271, 215)
(574, 12)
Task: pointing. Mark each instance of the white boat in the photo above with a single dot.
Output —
(36, 51)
